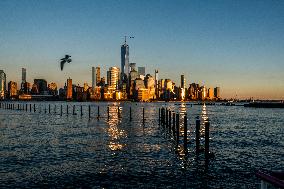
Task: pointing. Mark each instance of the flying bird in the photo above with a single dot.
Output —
(64, 60)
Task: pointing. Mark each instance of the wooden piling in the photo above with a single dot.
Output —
(61, 110)
(167, 116)
(54, 108)
(197, 137)
(49, 108)
(108, 112)
(185, 135)
(143, 115)
(34, 108)
(81, 110)
(118, 112)
(130, 114)
(30, 107)
(159, 116)
(177, 129)
(98, 112)
(26, 107)
(170, 121)
(67, 109)
(207, 125)
(174, 125)
(89, 111)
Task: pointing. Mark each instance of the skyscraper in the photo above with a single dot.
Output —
(69, 89)
(124, 62)
(141, 71)
(2, 84)
(98, 75)
(113, 77)
(156, 83)
(93, 79)
(24, 75)
(217, 92)
(12, 89)
(41, 85)
(182, 82)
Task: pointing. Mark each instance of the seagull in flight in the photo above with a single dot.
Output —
(64, 60)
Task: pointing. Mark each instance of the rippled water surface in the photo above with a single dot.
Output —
(42, 149)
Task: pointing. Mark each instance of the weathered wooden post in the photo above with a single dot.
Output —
(61, 110)
(26, 107)
(67, 109)
(30, 107)
(81, 110)
(89, 111)
(130, 114)
(185, 135)
(164, 117)
(170, 121)
(167, 116)
(54, 108)
(34, 108)
(108, 112)
(197, 137)
(143, 116)
(207, 125)
(174, 125)
(177, 128)
(98, 112)
(49, 108)
(159, 116)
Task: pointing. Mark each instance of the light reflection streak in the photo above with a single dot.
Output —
(114, 132)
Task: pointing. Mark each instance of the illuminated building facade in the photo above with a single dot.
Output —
(2, 84)
(12, 90)
(69, 89)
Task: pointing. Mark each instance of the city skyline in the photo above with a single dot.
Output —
(237, 46)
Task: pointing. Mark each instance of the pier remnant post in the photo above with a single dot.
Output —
(185, 135)
(54, 108)
(74, 108)
(81, 110)
(49, 108)
(30, 107)
(118, 112)
(89, 111)
(174, 125)
(159, 116)
(34, 108)
(98, 112)
(207, 125)
(108, 112)
(197, 137)
(130, 114)
(67, 109)
(167, 117)
(61, 110)
(177, 129)
(170, 121)
(143, 116)
(26, 107)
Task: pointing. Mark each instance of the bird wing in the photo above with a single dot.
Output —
(62, 64)
(69, 60)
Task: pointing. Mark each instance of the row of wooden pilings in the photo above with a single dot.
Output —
(48, 108)
(170, 121)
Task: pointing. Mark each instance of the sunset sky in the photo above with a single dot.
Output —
(236, 45)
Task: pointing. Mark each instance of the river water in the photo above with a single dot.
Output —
(41, 149)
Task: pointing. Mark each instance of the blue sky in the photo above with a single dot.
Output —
(237, 45)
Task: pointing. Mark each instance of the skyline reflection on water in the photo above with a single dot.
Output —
(49, 150)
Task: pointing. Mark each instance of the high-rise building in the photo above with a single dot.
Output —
(41, 85)
(182, 82)
(217, 92)
(113, 77)
(69, 89)
(132, 66)
(156, 83)
(12, 89)
(98, 76)
(2, 84)
(24, 75)
(93, 79)
(210, 93)
(124, 62)
(141, 71)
